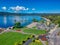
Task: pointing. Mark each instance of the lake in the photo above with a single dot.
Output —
(9, 20)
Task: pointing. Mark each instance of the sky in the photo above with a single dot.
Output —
(30, 6)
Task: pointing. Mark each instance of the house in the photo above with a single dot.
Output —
(1, 30)
(51, 26)
(42, 26)
(43, 37)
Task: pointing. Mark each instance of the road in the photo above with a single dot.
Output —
(58, 40)
(52, 30)
(54, 39)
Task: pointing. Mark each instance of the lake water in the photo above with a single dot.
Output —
(8, 21)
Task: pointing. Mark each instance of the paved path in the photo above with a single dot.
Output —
(32, 25)
(28, 42)
(4, 31)
(46, 19)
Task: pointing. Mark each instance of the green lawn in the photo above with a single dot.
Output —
(34, 31)
(35, 43)
(16, 28)
(10, 38)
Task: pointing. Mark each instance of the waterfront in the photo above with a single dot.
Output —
(9, 20)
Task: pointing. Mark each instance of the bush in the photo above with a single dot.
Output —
(17, 25)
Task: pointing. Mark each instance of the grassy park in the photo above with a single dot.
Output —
(35, 43)
(11, 38)
(34, 31)
(15, 38)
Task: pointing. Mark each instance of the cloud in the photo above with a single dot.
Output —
(33, 8)
(18, 8)
(27, 9)
(4, 8)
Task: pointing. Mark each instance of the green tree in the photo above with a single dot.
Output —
(42, 21)
(35, 20)
(17, 25)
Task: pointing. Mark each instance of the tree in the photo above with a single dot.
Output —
(42, 21)
(17, 25)
(23, 42)
(28, 38)
(35, 20)
(33, 40)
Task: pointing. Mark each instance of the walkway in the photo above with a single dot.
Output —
(28, 42)
(32, 25)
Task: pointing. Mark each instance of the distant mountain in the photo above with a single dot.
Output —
(33, 14)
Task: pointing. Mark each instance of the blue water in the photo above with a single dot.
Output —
(9, 21)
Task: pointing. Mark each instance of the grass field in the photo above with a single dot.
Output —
(16, 28)
(35, 43)
(10, 38)
(34, 31)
